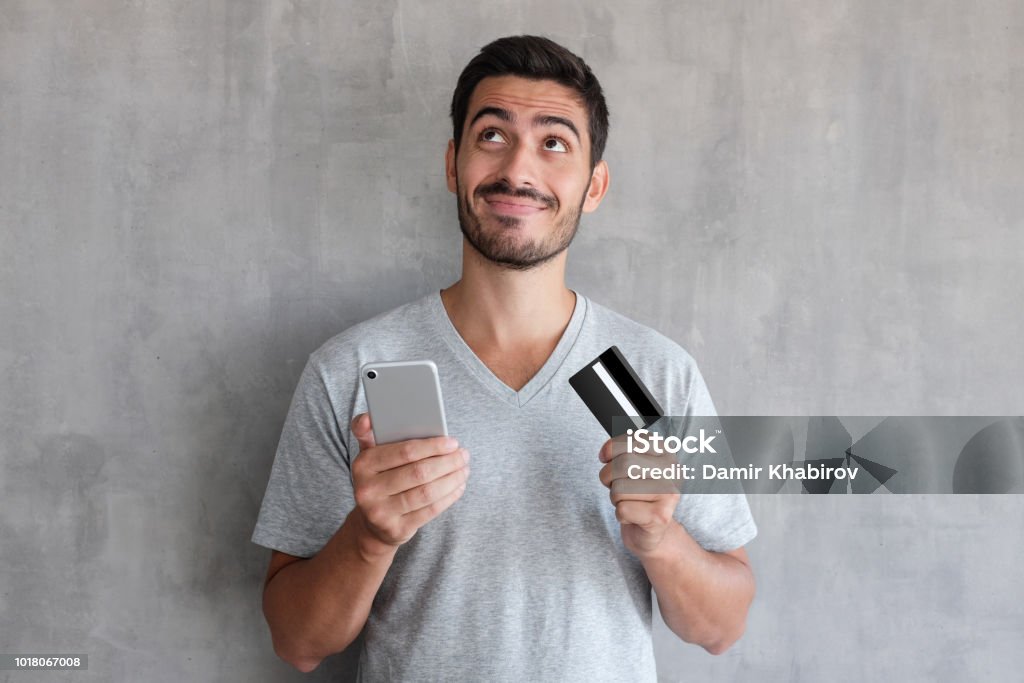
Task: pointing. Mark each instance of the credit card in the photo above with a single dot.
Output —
(611, 388)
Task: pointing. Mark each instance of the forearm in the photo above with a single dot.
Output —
(703, 596)
(317, 607)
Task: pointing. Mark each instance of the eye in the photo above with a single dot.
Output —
(491, 135)
(556, 145)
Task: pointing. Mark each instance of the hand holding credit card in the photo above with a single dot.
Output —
(611, 388)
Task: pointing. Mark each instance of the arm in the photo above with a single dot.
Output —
(317, 607)
(703, 596)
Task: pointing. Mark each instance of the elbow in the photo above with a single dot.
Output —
(727, 634)
(290, 647)
(719, 646)
(293, 651)
(303, 663)
(303, 655)
(714, 641)
(730, 634)
(306, 665)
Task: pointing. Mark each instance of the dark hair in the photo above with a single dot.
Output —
(535, 58)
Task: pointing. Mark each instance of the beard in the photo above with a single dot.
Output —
(502, 244)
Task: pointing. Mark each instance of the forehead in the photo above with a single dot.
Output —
(526, 96)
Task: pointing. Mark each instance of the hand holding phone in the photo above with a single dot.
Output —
(408, 471)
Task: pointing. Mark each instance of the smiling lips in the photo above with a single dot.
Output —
(512, 206)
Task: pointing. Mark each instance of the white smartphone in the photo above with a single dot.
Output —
(404, 398)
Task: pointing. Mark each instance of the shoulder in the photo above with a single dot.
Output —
(669, 370)
(385, 335)
(646, 339)
(331, 372)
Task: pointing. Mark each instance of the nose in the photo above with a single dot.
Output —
(518, 166)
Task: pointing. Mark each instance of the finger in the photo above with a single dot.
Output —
(646, 514)
(617, 467)
(445, 491)
(637, 487)
(614, 474)
(617, 497)
(407, 477)
(635, 512)
(391, 455)
(362, 429)
(612, 448)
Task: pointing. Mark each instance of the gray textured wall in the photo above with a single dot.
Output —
(822, 201)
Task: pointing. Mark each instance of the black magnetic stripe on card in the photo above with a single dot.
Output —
(627, 379)
(625, 406)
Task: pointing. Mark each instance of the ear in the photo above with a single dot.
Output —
(449, 167)
(599, 180)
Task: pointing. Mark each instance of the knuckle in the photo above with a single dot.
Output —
(396, 530)
(413, 499)
(358, 464)
(406, 452)
(437, 507)
(419, 472)
(455, 459)
(373, 518)
(425, 495)
(363, 496)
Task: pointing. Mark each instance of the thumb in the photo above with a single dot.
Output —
(362, 429)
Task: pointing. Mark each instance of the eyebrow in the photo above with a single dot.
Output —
(539, 120)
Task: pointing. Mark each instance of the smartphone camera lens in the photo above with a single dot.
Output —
(371, 375)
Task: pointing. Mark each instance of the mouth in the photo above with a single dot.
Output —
(511, 206)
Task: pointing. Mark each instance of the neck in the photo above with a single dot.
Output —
(507, 309)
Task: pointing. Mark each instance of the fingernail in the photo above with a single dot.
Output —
(453, 443)
(465, 455)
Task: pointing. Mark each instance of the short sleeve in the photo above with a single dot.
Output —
(717, 521)
(310, 489)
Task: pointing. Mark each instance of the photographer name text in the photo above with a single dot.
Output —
(642, 441)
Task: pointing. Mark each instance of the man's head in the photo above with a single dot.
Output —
(530, 124)
(534, 58)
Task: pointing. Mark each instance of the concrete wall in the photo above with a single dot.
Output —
(822, 201)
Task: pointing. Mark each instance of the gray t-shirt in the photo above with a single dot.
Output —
(524, 578)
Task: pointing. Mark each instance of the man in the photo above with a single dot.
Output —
(522, 569)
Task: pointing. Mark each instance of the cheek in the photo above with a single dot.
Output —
(571, 195)
(472, 170)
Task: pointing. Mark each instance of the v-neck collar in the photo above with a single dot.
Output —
(517, 398)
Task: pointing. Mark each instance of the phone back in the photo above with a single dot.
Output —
(404, 398)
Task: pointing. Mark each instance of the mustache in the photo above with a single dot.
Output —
(503, 188)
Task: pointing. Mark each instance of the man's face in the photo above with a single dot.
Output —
(522, 175)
